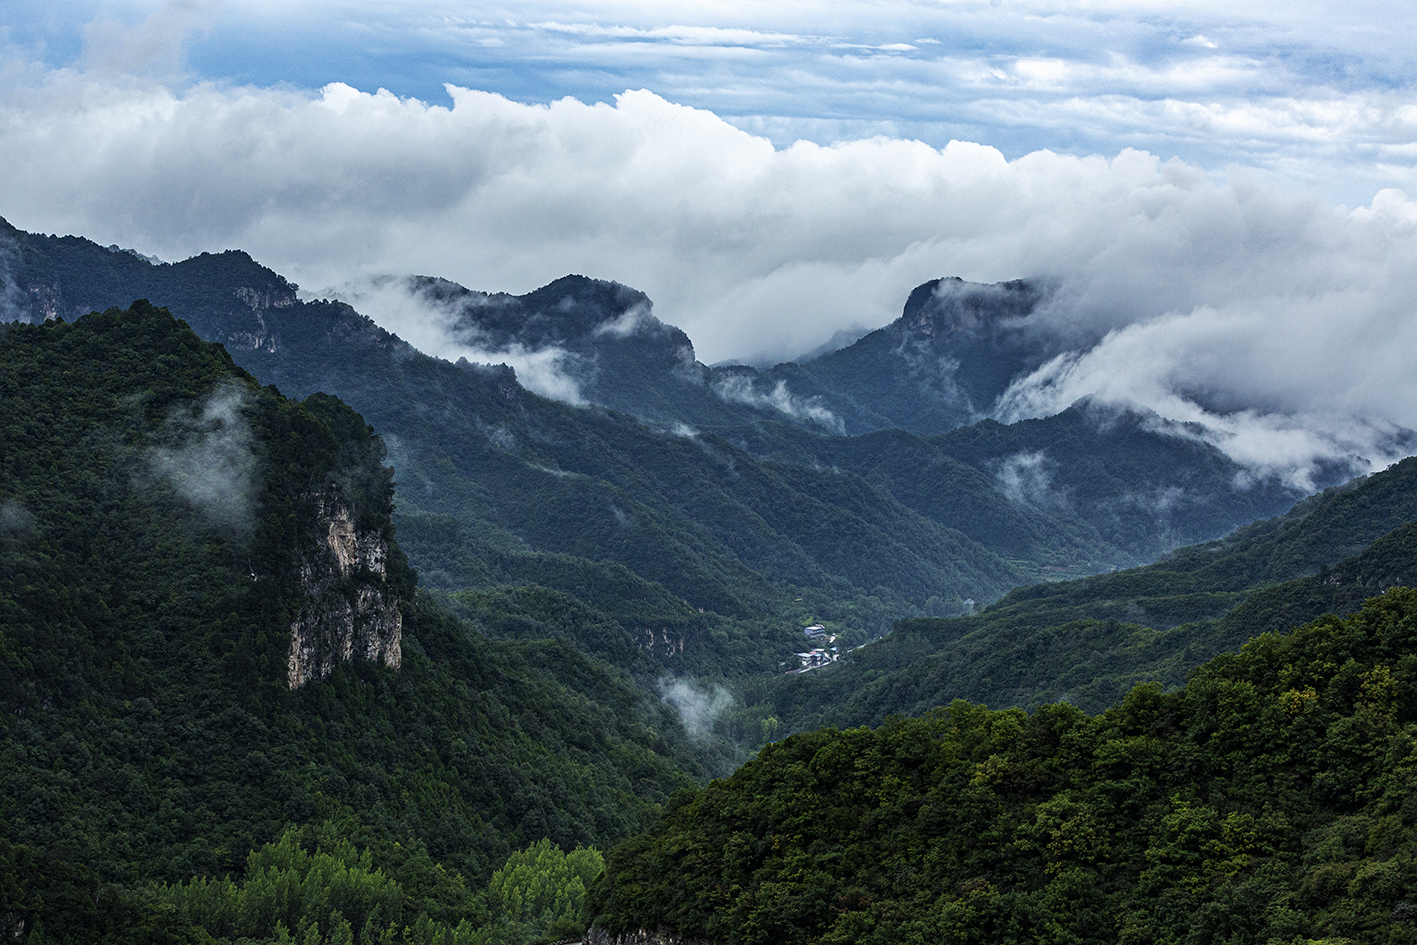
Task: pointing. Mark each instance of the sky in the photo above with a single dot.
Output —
(1223, 191)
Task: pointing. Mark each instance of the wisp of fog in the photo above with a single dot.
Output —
(205, 455)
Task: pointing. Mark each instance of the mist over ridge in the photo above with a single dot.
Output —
(1177, 179)
(960, 352)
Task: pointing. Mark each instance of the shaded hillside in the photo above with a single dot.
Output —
(1088, 641)
(493, 480)
(1269, 801)
(167, 531)
(1087, 490)
(941, 365)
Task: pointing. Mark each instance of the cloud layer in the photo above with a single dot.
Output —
(1276, 320)
(433, 328)
(1319, 93)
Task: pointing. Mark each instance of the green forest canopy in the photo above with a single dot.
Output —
(1272, 800)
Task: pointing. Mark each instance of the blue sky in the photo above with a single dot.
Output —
(1222, 190)
(1316, 94)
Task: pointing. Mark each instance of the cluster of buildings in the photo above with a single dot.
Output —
(818, 656)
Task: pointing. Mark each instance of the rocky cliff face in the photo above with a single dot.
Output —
(349, 610)
(665, 642)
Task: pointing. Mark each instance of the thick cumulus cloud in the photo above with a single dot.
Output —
(1278, 322)
(1314, 92)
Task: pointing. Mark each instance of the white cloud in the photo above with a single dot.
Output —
(699, 704)
(434, 329)
(1278, 378)
(16, 522)
(206, 458)
(740, 388)
(633, 320)
(154, 45)
(674, 34)
(915, 68)
(1026, 478)
(1268, 314)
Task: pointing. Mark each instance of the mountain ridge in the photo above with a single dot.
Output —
(170, 531)
(740, 531)
(1090, 640)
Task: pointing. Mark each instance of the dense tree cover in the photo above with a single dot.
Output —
(1089, 489)
(155, 504)
(738, 521)
(1089, 641)
(1272, 800)
(540, 892)
(314, 886)
(311, 886)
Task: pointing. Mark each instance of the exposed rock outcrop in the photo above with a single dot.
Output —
(279, 295)
(349, 610)
(665, 642)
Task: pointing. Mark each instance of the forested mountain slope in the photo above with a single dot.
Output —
(1089, 489)
(1271, 800)
(174, 539)
(1088, 641)
(752, 529)
(941, 365)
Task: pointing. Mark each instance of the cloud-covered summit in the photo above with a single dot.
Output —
(1239, 297)
(575, 339)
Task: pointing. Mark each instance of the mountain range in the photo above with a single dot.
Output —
(735, 505)
(942, 364)
(1089, 641)
(308, 635)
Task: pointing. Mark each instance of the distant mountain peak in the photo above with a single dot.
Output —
(947, 305)
(568, 312)
(574, 290)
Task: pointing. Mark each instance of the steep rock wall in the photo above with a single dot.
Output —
(348, 609)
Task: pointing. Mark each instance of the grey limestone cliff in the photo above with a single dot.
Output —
(348, 610)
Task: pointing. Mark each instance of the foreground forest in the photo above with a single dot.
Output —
(513, 756)
(1273, 801)
(157, 526)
